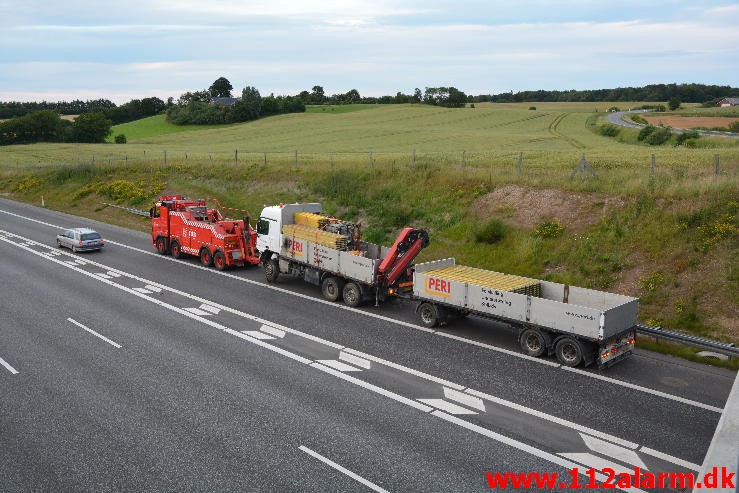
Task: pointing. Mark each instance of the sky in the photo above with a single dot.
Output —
(83, 49)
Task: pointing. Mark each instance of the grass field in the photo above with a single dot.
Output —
(670, 237)
(154, 126)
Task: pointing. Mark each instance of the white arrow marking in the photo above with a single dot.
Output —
(447, 406)
(466, 399)
(338, 365)
(257, 335)
(210, 308)
(612, 450)
(597, 463)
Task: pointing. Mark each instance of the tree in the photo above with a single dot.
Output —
(91, 128)
(248, 107)
(221, 88)
(352, 96)
(317, 96)
(673, 104)
(417, 95)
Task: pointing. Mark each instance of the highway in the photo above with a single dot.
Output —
(124, 370)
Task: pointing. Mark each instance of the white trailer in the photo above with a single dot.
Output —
(578, 325)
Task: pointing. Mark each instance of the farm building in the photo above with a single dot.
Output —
(224, 101)
(726, 102)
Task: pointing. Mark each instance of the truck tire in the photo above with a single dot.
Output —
(569, 351)
(271, 270)
(352, 294)
(176, 249)
(219, 260)
(161, 245)
(331, 288)
(428, 314)
(206, 258)
(533, 342)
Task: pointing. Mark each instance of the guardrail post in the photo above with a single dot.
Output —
(718, 164)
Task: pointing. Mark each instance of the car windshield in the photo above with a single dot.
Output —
(89, 236)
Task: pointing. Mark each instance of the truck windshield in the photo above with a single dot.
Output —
(263, 227)
(89, 236)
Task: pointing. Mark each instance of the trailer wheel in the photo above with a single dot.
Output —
(569, 351)
(271, 270)
(352, 294)
(161, 245)
(206, 258)
(176, 249)
(332, 287)
(428, 314)
(533, 342)
(219, 259)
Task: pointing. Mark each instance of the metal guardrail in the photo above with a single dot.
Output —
(138, 212)
(726, 348)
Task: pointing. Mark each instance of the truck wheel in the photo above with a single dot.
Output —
(569, 351)
(428, 314)
(271, 270)
(352, 294)
(206, 258)
(533, 342)
(176, 249)
(161, 245)
(331, 288)
(219, 259)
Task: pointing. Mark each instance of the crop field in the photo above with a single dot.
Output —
(669, 236)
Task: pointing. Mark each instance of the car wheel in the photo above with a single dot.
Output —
(176, 249)
(352, 294)
(161, 245)
(331, 288)
(219, 259)
(58, 243)
(206, 258)
(271, 270)
(428, 315)
(533, 342)
(569, 351)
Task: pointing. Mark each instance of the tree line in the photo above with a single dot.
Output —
(48, 126)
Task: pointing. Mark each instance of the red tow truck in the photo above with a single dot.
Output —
(182, 226)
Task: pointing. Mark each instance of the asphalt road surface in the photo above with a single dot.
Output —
(124, 370)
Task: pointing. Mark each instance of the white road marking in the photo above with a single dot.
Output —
(114, 344)
(354, 476)
(142, 290)
(389, 319)
(463, 398)
(257, 335)
(355, 360)
(447, 406)
(612, 450)
(374, 388)
(112, 273)
(8, 367)
(273, 331)
(519, 445)
(645, 389)
(198, 311)
(210, 308)
(153, 289)
(553, 419)
(324, 368)
(670, 458)
(338, 365)
(417, 373)
(101, 274)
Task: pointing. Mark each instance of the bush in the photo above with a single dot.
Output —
(639, 119)
(549, 229)
(685, 136)
(673, 104)
(691, 143)
(533, 108)
(491, 232)
(614, 109)
(645, 132)
(659, 136)
(120, 139)
(734, 127)
(609, 130)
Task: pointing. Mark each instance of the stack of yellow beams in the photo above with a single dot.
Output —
(311, 219)
(324, 238)
(489, 279)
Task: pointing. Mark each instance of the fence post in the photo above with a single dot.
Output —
(93, 158)
(414, 156)
(491, 172)
(296, 158)
(265, 159)
(126, 157)
(718, 164)
(371, 163)
(236, 155)
(654, 163)
(165, 157)
(464, 160)
(210, 156)
(520, 164)
(185, 156)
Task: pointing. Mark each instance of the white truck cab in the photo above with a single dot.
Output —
(271, 220)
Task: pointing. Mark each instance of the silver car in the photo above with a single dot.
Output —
(80, 239)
